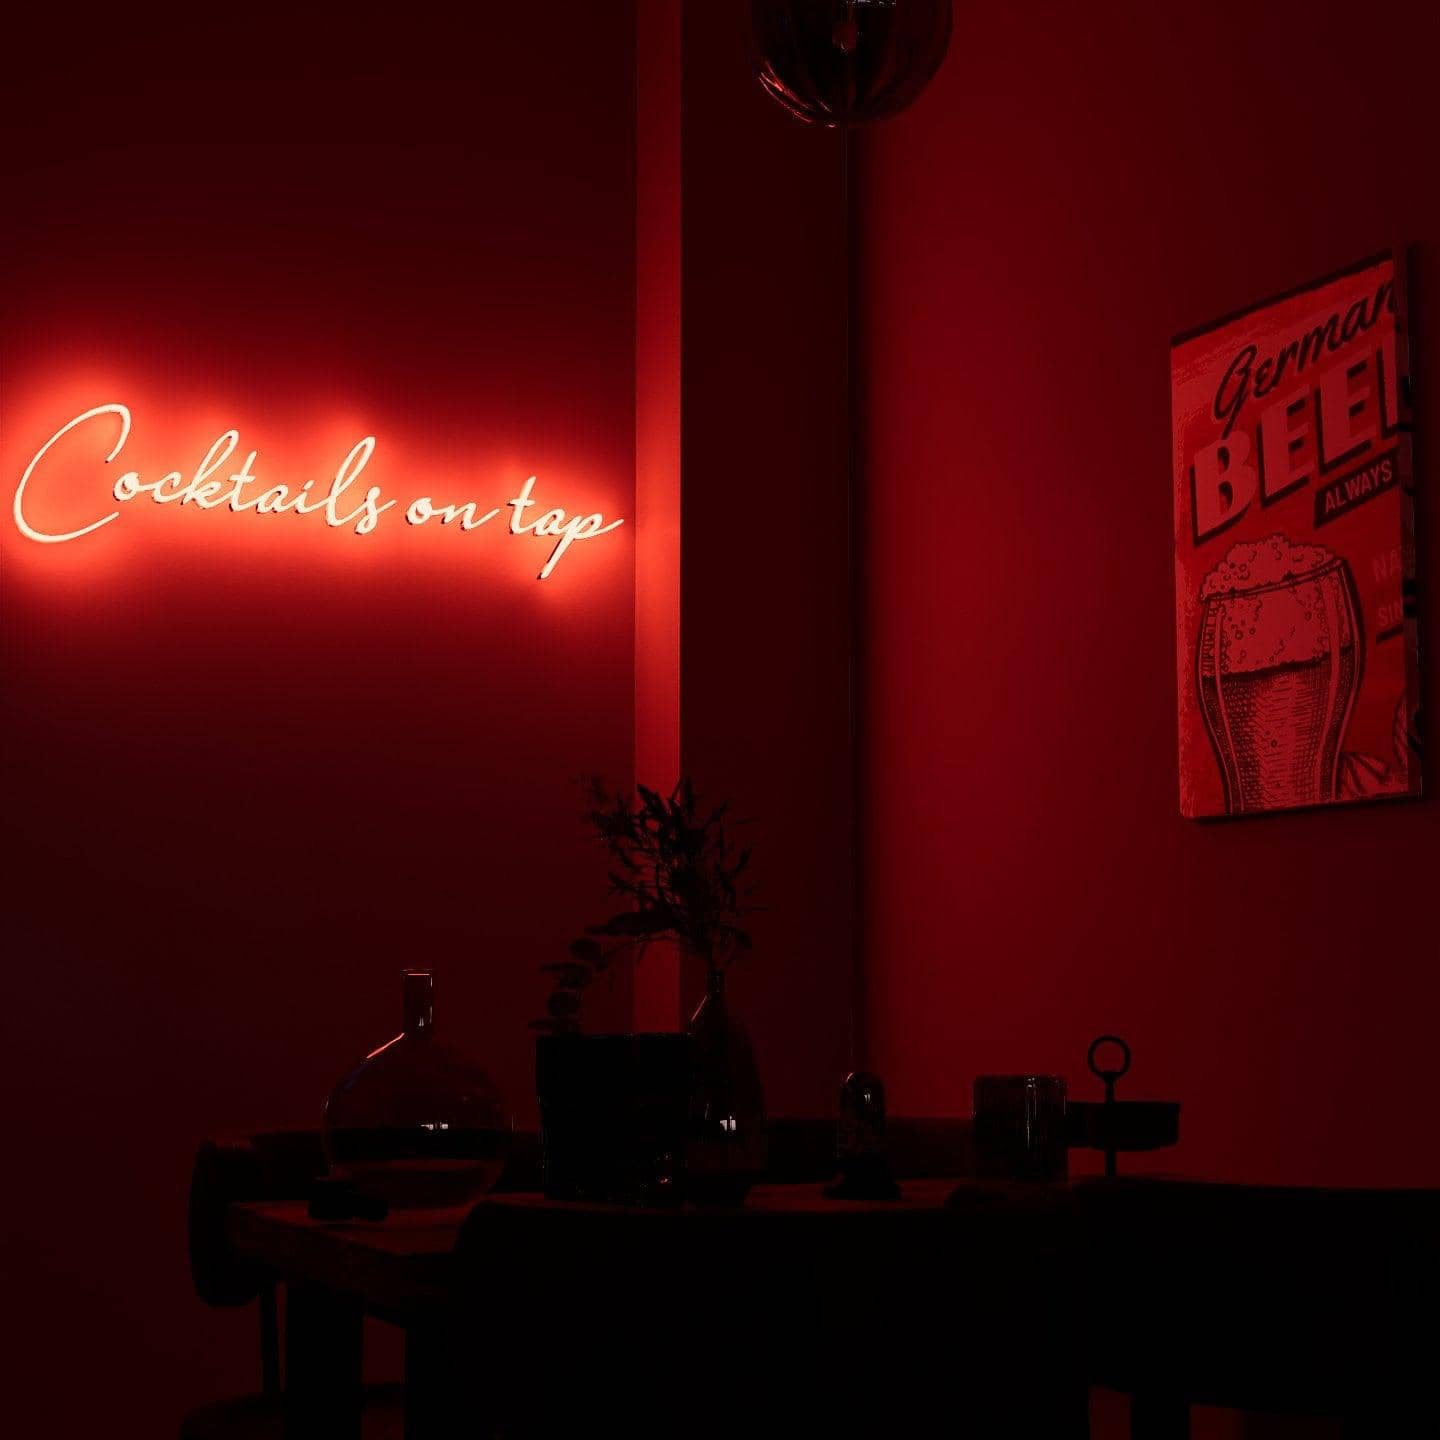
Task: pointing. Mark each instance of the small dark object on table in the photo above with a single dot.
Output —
(860, 1142)
(1020, 1128)
(1119, 1125)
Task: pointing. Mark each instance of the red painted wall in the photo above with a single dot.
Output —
(1079, 184)
(658, 35)
(252, 769)
(764, 572)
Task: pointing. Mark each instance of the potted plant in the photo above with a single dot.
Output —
(679, 871)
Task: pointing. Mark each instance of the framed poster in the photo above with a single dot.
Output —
(1295, 550)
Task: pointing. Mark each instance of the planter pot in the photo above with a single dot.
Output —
(613, 1114)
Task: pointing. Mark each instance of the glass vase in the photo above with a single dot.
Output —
(417, 1123)
(726, 1148)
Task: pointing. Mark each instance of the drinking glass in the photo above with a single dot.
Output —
(1020, 1127)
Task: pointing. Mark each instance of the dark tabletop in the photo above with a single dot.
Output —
(408, 1261)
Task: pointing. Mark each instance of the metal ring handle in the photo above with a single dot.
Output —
(1108, 1076)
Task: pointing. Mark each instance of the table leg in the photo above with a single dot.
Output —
(324, 1346)
(269, 1341)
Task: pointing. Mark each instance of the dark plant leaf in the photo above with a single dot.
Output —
(674, 868)
(587, 952)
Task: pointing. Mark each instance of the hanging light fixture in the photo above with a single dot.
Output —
(843, 62)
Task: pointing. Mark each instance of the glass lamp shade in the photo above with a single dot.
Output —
(843, 62)
(417, 1123)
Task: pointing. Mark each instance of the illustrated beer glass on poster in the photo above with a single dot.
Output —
(1295, 550)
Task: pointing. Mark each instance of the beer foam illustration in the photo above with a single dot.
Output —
(1276, 607)
(1270, 561)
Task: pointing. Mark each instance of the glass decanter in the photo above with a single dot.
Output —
(726, 1151)
(417, 1124)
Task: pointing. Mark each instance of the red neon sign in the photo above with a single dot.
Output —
(214, 484)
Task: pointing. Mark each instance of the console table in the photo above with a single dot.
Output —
(527, 1316)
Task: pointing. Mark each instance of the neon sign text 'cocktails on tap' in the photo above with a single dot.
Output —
(216, 484)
